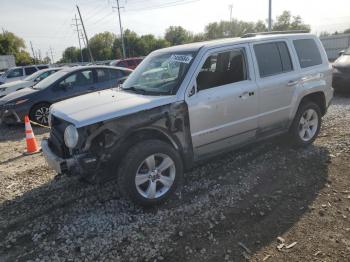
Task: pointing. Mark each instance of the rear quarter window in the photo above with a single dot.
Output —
(308, 52)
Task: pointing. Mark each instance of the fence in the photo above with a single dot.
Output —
(334, 44)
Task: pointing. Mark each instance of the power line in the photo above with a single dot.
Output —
(78, 32)
(121, 28)
(270, 15)
(170, 4)
(87, 40)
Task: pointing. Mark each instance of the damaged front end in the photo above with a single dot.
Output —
(102, 146)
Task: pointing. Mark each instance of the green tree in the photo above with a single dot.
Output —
(234, 28)
(286, 22)
(177, 35)
(101, 46)
(347, 31)
(70, 55)
(10, 44)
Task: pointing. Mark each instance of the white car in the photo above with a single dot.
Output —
(20, 72)
(29, 81)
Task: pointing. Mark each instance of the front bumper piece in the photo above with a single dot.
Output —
(77, 165)
(9, 115)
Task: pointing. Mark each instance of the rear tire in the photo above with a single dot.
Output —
(150, 172)
(40, 114)
(306, 124)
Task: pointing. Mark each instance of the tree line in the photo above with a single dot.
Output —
(106, 45)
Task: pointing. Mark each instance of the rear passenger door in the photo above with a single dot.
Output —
(104, 80)
(277, 79)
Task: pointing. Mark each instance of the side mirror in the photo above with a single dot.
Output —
(341, 52)
(121, 80)
(193, 90)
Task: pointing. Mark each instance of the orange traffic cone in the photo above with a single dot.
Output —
(32, 145)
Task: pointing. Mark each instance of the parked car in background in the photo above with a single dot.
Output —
(341, 72)
(29, 81)
(130, 63)
(66, 83)
(20, 72)
(186, 103)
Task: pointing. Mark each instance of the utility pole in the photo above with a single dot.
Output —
(270, 15)
(77, 28)
(39, 52)
(31, 46)
(230, 7)
(52, 60)
(86, 38)
(121, 28)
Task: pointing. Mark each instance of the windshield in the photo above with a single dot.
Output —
(160, 74)
(50, 80)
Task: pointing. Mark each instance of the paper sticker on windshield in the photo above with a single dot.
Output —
(181, 58)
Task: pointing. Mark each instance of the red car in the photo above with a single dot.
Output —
(130, 63)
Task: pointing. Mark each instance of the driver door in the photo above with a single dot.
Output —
(75, 84)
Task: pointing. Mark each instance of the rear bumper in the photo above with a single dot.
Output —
(77, 165)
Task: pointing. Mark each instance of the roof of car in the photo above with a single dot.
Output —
(76, 68)
(237, 40)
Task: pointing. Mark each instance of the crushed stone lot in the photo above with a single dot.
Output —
(265, 202)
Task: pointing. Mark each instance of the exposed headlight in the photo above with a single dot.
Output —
(71, 136)
(21, 101)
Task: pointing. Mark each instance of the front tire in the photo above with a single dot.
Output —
(40, 114)
(306, 124)
(150, 172)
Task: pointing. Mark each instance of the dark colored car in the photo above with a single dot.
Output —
(341, 72)
(130, 63)
(67, 83)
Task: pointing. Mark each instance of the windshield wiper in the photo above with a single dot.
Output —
(136, 90)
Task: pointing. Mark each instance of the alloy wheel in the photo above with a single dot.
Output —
(308, 125)
(155, 176)
(42, 115)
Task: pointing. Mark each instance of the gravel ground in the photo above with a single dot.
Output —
(266, 202)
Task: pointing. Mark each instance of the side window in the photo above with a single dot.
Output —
(308, 52)
(15, 73)
(103, 75)
(116, 74)
(221, 69)
(273, 58)
(42, 76)
(42, 67)
(78, 79)
(30, 70)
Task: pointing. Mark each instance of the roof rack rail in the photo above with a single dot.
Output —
(276, 33)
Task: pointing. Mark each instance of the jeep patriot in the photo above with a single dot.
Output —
(186, 103)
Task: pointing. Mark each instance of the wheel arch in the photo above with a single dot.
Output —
(142, 134)
(318, 98)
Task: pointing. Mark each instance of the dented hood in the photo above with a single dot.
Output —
(104, 105)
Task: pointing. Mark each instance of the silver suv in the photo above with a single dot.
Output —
(186, 103)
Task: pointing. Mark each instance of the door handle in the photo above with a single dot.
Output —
(246, 94)
(293, 82)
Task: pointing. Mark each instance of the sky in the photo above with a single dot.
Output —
(48, 23)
